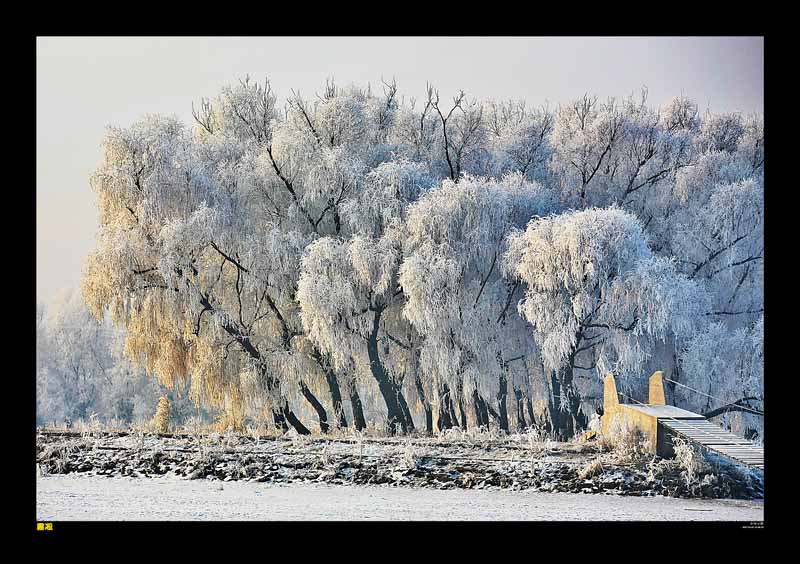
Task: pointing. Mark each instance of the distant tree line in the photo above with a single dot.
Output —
(83, 376)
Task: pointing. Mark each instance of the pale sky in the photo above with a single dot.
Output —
(84, 84)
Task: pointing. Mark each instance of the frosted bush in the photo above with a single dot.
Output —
(691, 461)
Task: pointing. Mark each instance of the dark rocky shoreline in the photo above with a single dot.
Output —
(418, 463)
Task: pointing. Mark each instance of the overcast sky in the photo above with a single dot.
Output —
(84, 84)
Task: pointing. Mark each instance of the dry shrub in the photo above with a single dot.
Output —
(161, 418)
(691, 460)
(451, 434)
(229, 440)
(87, 429)
(658, 467)
(358, 441)
(193, 426)
(482, 434)
(377, 428)
(324, 456)
(537, 440)
(229, 420)
(591, 468)
(114, 424)
(581, 444)
(299, 442)
(626, 441)
(410, 456)
(136, 439)
(55, 457)
(80, 426)
(256, 431)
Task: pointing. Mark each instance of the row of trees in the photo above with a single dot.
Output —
(359, 259)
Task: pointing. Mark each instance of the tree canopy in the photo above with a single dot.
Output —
(358, 260)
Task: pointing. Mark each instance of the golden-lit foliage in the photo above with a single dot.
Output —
(232, 415)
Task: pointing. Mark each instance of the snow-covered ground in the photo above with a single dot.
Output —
(91, 498)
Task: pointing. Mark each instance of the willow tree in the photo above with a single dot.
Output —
(586, 135)
(594, 292)
(621, 152)
(519, 138)
(349, 293)
(719, 234)
(457, 298)
(715, 226)
(724, 369)
(156, 269)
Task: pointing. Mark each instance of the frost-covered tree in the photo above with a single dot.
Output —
(727, 367)
(594, 289)
(621, 152)
(647, 159)
(585, 138)
(717, 230)
(463, 134)
(457, 298)
(77, 357)
(349, 293)
(519, 139)
(720, 132)
(165, 213)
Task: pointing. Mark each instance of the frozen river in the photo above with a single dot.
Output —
(88, 498)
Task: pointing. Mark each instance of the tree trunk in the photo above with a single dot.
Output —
(389, 390)
(579, 419)
(445, 421)
(358, 409)
(294, 421)
(318, 407)
(283, 416)
(401, 401)
(481, 412)
(283, 413)
(279, 420)
(462, 412)
(333, 388)
(425, 405)
(502, 409)
(529, 407)
(336, 399)
(476, 405)
(571, 418)
(669, 390)
(451, 409)
(742, 405)
(557, 419)
(521, 424)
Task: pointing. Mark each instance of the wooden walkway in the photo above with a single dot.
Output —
(717, 439)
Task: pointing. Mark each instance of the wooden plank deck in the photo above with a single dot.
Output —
(718, 440)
